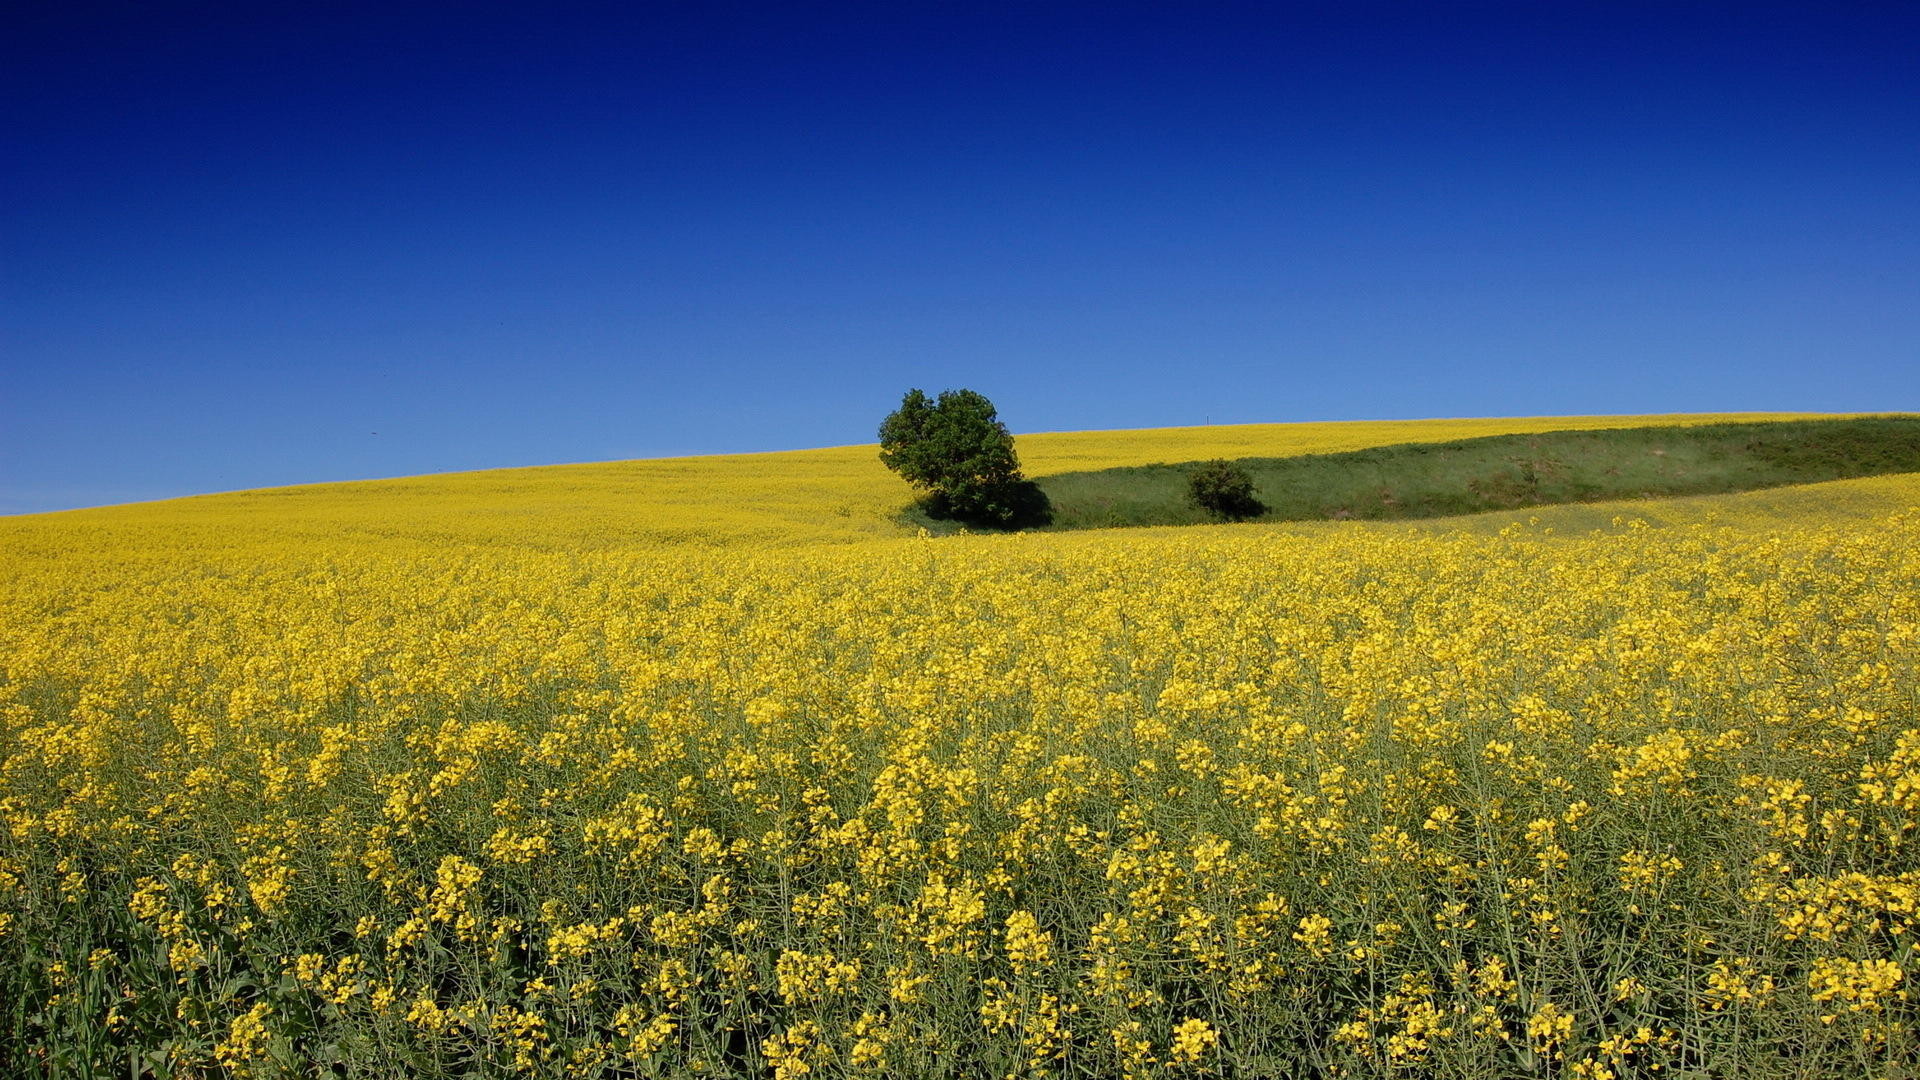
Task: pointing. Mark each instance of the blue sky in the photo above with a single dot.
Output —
(239, 240)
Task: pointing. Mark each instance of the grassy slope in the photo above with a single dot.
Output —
(1051, 453)
(1509, 472)
(834, 495)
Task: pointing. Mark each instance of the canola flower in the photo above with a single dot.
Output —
(1259, 801)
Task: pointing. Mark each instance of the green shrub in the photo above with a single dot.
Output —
(1223, 489)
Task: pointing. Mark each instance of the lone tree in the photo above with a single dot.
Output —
(1223, 489)
(957, 449)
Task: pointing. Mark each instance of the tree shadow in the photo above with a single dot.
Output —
(1019, 505)
(1237, 510)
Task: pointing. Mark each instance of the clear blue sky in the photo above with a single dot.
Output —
(237, 240)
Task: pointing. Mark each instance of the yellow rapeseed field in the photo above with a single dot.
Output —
(710, 768)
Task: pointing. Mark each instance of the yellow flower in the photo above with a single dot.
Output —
(248, 1038)
(1859, 985)
(1549, 1028)
(1315, 935)
(1028, 947)
(1193, 1039)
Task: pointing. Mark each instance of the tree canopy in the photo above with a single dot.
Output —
(955, 448)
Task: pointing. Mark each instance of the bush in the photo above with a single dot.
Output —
(1223, 489)
(957, 450)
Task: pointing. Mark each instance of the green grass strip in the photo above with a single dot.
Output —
(1505, 472)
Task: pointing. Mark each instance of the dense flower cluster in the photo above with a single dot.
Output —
(1339, 800)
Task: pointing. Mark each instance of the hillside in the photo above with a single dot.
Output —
(672, 769)
(835, 495)
(1505, 472)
